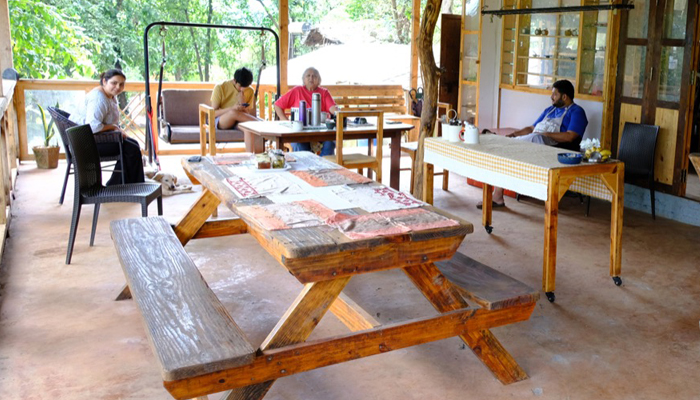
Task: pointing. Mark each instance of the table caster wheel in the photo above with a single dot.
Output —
(617, 280)
(550, 296)
(489, 229)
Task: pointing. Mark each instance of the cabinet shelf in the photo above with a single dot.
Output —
(548, 36)
(550, 58)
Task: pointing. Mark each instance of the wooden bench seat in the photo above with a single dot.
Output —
(488, 288)
(190, 331)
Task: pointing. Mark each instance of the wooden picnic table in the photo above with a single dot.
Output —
(281, 133)
(323, 255)
(532, 170)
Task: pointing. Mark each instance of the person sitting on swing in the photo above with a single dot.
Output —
(311, 84)
(233, 100)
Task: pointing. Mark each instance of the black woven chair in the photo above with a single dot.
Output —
(62, 122)
(637, 149)
(89, 188)
(574, 145)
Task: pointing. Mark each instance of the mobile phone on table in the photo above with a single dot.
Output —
(195, 159)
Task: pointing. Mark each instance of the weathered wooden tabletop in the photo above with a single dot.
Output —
(323, 252)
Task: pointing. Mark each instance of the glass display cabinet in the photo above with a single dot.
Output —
(539, 49)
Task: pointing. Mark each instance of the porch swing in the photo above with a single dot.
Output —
(177, 110)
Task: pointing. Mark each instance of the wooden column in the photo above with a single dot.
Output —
(284, 44)
(20, 108)
(5, 42)
(613, 43)
(415, 27)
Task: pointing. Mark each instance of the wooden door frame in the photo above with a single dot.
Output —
(445, 47)
(649, 102)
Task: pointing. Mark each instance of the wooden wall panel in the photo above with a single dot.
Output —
(628, 113)
(667, 120)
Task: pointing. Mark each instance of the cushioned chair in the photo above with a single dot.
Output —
(180, 117)
(89, 188)
(62, 122)
(359, 161)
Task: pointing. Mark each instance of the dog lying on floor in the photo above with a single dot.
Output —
(169, 184)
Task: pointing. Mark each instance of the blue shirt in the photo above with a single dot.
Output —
(575, 119)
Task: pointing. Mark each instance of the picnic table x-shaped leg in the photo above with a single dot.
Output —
(317, 298)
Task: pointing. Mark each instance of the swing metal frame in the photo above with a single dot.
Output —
(150, 139)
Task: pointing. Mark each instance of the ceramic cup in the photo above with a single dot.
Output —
(451, 132)
(297, 126)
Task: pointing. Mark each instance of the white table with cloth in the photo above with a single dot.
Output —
(532, 170)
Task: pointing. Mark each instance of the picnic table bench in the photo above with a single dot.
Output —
(202, 351)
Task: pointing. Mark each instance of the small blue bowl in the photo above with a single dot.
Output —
(570, 158)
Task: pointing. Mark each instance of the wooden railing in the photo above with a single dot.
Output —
(135, 108)
(8, 156)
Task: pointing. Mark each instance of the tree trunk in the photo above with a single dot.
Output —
(196, 48)
(207, 56)
(431, 76)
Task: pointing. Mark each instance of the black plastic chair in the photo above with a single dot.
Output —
(637, 149)
(89, 188)
(62, 122)
(574, 145)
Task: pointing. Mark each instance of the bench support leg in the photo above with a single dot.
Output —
(295, 327)
(190, 224)
(445, 297)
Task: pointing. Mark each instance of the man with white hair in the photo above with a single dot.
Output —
(311, 84)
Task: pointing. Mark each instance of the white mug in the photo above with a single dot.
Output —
(297, 126)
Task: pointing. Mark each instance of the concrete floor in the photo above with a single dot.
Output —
(63, 337)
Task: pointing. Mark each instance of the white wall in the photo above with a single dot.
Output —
(518, 109)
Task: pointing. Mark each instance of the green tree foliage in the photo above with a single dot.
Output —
(49, 43)
(396, 15)
(89, 36)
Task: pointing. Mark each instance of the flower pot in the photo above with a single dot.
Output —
(46, 157)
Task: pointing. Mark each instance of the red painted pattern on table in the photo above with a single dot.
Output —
(398, 197)
(242, 188)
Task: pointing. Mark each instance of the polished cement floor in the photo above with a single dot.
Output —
(63, 337)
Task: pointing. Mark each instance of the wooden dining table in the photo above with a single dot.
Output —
(532, 170)
(281, 133)
(324, 225)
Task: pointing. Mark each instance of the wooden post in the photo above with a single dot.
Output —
(431, 76)
(5, 42)
(284, 44)
(21, 122)
(154, 120)
(415, 26)
(613, 42)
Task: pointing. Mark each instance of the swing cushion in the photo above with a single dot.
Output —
(181, 117)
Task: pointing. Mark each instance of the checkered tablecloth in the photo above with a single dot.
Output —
(509, 163)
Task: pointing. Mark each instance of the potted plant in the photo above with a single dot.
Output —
(46, 156)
